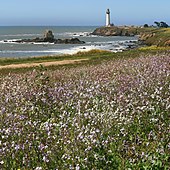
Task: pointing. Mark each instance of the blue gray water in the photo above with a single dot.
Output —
(10, 49)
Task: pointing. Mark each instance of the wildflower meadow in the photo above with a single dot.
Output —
(114, 115)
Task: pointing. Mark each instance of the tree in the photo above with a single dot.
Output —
(161, 24)
(146, 25)
(157, 23)
(164, 25)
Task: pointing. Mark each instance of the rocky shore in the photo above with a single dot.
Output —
(116, 31)
(49, 38)
(146, 36)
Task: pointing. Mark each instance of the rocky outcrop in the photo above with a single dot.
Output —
(68, 41)
(167, 43)
(55, 41)
(49, 37)
(145, 36)
(115, 31)
(154, 38)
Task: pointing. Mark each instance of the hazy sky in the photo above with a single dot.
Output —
(83, 12)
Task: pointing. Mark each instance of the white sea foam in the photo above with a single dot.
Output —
(78, 49)
(13, 41)
(73, 34)
(72, 50)
(9, 41)
(114, 47)
(12, 51)
(20, 35)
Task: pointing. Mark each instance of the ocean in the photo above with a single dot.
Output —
(11, 49)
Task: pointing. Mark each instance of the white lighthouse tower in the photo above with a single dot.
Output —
(108, 18)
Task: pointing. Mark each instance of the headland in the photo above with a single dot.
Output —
(146, 36)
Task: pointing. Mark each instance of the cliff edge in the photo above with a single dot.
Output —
(159, 37)
(116, 31)
(148, 36)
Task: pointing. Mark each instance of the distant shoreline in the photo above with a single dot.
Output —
(121, 42)
(10, 48)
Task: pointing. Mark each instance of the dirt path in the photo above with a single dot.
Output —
(26, 65)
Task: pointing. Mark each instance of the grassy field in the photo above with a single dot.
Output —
(108, 112)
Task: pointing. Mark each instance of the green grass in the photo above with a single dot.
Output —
(161, 36)
(94, 57)
(79, 55)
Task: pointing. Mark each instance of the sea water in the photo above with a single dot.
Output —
(10, 49)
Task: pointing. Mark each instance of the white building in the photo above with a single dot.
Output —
(108, 24)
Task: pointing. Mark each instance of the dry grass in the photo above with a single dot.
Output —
(26, 65)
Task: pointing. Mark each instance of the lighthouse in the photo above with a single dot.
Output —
(108, 18)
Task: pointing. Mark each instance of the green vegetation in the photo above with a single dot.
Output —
(145, 25)
(94, 57)
(158, 37)
(79, 55)
(109, 112)
(161, 24)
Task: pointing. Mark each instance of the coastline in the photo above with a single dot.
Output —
(117, 46)
(10, 48)
(123, 40)
(93, 57)
(146, 35)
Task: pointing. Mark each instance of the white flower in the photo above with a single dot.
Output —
(38, 168)
(1, 162)
(77, 167)
(97, 130)
(45, 159)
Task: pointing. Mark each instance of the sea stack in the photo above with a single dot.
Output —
(108, 18)
(48, 35)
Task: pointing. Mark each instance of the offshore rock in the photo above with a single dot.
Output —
(55, 41)
(49, 37)
(68, 41)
